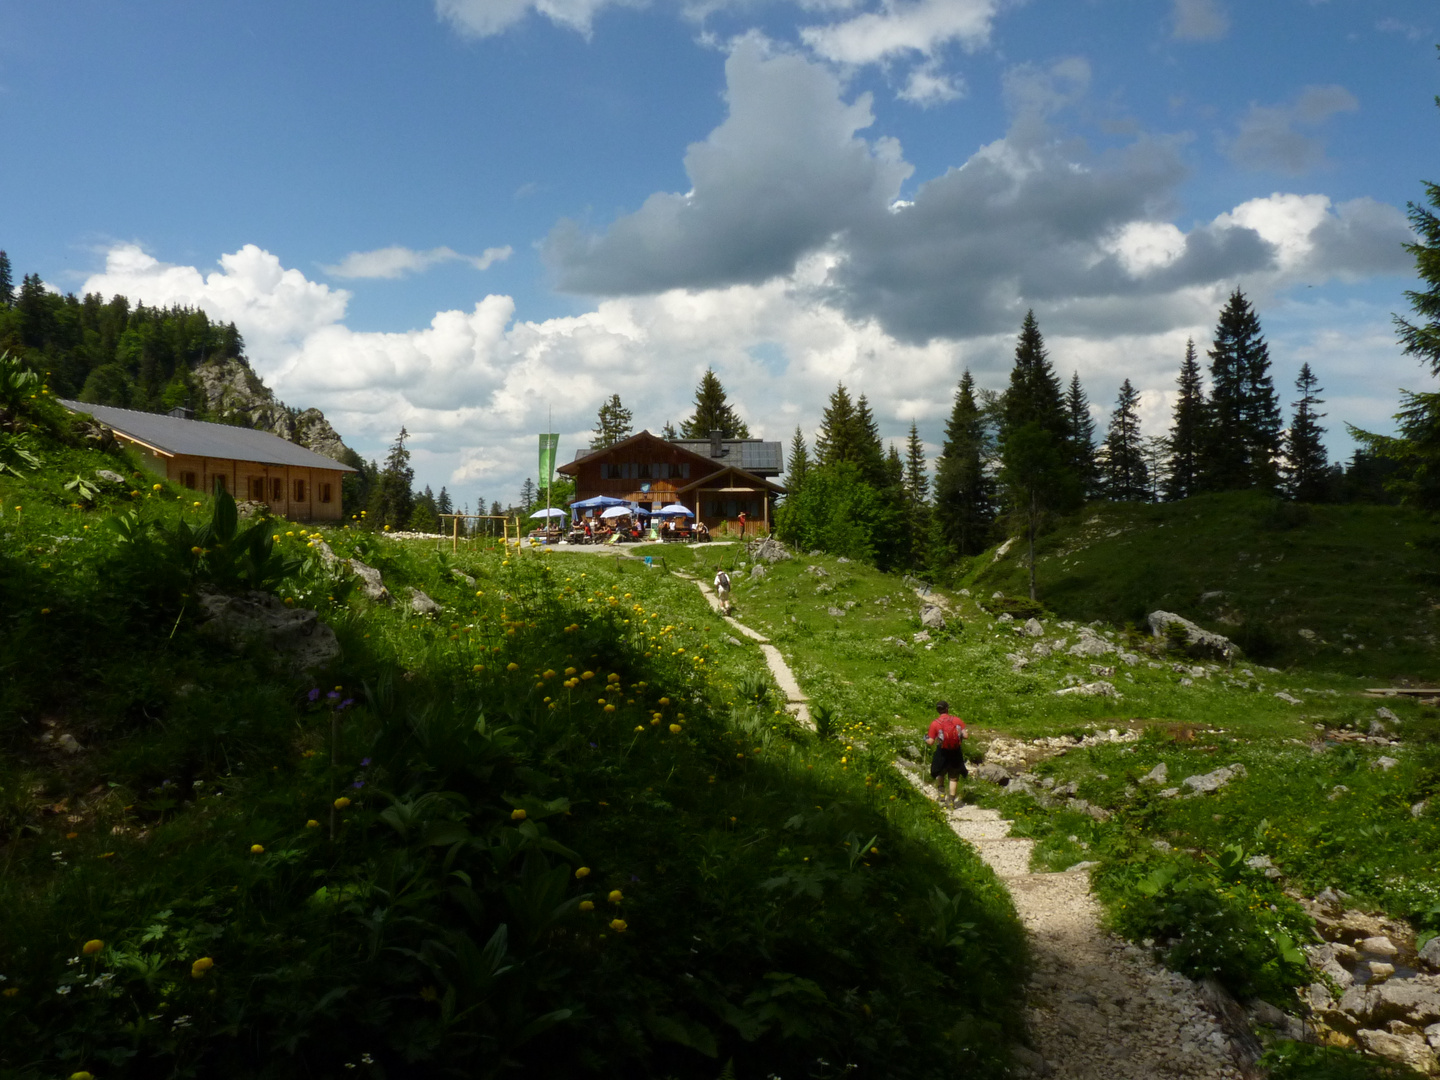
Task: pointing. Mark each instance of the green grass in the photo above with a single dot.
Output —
(784, 905)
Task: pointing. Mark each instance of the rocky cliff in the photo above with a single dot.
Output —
(230, 392)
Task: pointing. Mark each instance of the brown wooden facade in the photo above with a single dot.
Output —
(650, 472)
(298, 492)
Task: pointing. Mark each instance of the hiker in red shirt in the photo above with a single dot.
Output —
(947, 735)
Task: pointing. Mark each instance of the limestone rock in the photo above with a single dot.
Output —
(1410, 1050)
(1380, 945)
(295, 636)
(921, 636)
(421, 604)
(109, 477)
(932, 618)
(326, 553)
(1090, 644)
(1385, 716)
(834, 611)
(371, 583)
(1430, 954)
(466, 578)
(1158, 775)
(1386, 763)
(1197, 639)
(818, 571)
(757, 572)
(231, 390)
(1033, 628)
(1287, 698)
(767, 549)
(1213, 781)
(996, 774)
(1100, 688)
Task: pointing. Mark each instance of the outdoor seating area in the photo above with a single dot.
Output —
(607, 520)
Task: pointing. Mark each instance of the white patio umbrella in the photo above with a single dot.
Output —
(675, 509)
(620, 511)
(552, 512)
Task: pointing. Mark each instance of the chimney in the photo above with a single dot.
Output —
(715, 450)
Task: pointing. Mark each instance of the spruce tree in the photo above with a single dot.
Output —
(1243, 434)
(713, 412)
(391, 501)
(528, 491)
(964, 503)
(612, 425)
(668, 432)
(443, 502)
(1034, 395)
(872, 460)
(7, 281)
(1126, 477)
(1307, 465)
(839, 438)
(917, 497)
(1081, 435)
(799, 463)
(1187, 431)
(423, 518)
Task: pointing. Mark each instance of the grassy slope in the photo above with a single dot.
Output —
(1361, 578)
(759, 927)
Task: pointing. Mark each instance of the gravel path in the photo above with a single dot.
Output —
(1098, 1008)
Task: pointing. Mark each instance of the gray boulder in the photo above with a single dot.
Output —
(327, 556)
(1197, 640)
(295, 637)
(1213, 781)
(1158, 775)
(757, 572)
(767, 550)
(1090, 644)
(932, 618)
(466, 578)
(1430, 954)
(834, 611)
(996, 774)
(1287, 698)
(1411, 1051)
(109, 477)
(371, 583)
(421, 604)
(1384, 763)
(1100, 688)
(1033, 628)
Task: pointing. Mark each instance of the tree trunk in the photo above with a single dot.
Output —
(1031, 529)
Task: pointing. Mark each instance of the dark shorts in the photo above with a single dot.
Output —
(948, 762)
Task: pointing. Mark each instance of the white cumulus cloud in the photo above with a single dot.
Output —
(898, 28)
(394, 262)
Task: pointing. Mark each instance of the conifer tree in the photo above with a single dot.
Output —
(1307, 465)
(612, 425)
(1187, 431)
(668, 432)
(391, 501)
(799, 463)
(1126, 477)
(1243, 434)
(1034, 395)
(423, 518)
(964, 503)
(713, 412)
(7, 281)
(839, 437)
(1081, 435)
(443, 503)
(528, 491)
(872, 460)
(917, 497)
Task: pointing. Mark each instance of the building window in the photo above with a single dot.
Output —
(188, 479)
(299, 486)
(324, 493)
(218, 479)
(277, 489)
(257, 489)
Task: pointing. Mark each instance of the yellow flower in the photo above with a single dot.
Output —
(91, 947)
(44, 611)
(512, 666)
(82, 1074)
(664, 701)
(14, 991)
(582, 872)
(547, 674)
(587, 674)
(675, 729)
(569, 671)
(478, 667)
(312, 824)
(612, 677)
(517, 815)
(157, 487)
(609, 708)
(200, 967)
(618, 925)
(257, 849)
(639, 727)
(585, 905)
(341, 803)
(615, 896)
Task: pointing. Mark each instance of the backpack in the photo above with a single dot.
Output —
(722, 580)
(951, 732)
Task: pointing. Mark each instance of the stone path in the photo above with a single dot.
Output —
(1097, 1007)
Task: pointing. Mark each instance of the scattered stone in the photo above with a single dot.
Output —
(1169, 793)
(1100, 688)
(371, 583)
(1385, 715)
(1005, 617)
(767, 550)
(1287, 698)
(1380, 945)
(466, 578)
(1196, 638)
(1033, 628)
(1264, 865)
(996, 774)
(1418, 810)
(1308, 635)
(757, 572)
(1432, 1036)
(1337, 791)
(818, 571)
(1187, 682)
(326, 553)
(109, 477)
(920, 636)
(1102, 671)
(842, 559)
(421, 604)
(1158, 775)
(1213, 781)
(932, 618)
(1409, 1050)
(1380, 970)
(730, 639)
(1385, 763)
(69, 744)
(1090, 644)
(296, 636)
(1430, 954)
(834, 611)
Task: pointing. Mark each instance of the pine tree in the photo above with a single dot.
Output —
(443, 503)
(964, 504)
(423, 518)
(1307, 465)
(1034, 395)
(799, 463)
(391, 501)
(1081, 435)
(1155, 452)
(668, 432)
(872, 460)
(1243, 433)
(839, 438)
(528, 491)
(7, 281)
(713, 412)
(917, 498)
(613, 424)
(496, 510)
(1187, 431)
(1126, 477)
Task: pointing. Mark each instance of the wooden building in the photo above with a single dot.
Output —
(716, 478)
(294, 482)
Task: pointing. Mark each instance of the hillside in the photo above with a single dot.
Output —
(1350, 589)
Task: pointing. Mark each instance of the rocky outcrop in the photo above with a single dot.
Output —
(371, 583)
(230, 391)
(1197, 640)
(1213, 781)
(768, 550)
(295, 637)
(932, 618)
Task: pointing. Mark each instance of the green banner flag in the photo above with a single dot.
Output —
(549, 444)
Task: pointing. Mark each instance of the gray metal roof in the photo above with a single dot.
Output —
(197, 438)
(752, 455)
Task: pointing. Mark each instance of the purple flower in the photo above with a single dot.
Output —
(594, 746)
(364, 762)
(347, 703)
(332, 695)
(314, 695)
(358, 784)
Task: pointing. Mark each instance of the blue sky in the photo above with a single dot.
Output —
(467, 215)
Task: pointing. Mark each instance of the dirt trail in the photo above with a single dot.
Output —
(1098, 1008)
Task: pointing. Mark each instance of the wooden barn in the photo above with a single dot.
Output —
(716, 478)
(294, 482)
